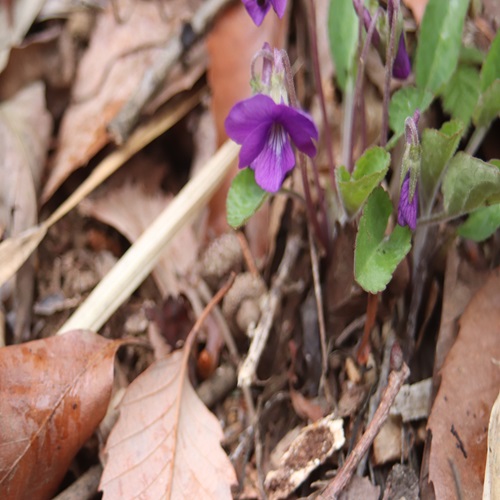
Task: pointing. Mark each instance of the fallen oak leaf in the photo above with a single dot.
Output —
(166, 443)
(470, 379)
(53, 394)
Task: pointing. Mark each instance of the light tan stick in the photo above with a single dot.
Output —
(133, 267)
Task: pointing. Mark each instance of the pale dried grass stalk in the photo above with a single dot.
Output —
(133, 267)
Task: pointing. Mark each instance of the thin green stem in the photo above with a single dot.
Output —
(438, 219)
(476, 139)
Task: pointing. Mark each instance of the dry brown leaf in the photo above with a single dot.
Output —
(106, 79)
(25, 129)
(53, 394)
(166, 443)
(306, 408)
(492, 477)
(131, 210)
(461, 282)
(360, 488)
(417, 7)
(470, 383)
(15, 21)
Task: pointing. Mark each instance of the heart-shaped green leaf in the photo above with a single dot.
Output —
(461, 93)
(244, 198)
(438, 146)
(369, 170)
(403, 104)
(469, 183)
(376, 256)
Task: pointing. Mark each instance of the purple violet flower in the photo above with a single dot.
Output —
(257, 9)
(265, 131)
(401, 66)
(408, 208)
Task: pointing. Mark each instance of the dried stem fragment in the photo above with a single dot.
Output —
(396, 379)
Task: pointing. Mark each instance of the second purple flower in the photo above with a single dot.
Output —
(266, 131)
(257, 9)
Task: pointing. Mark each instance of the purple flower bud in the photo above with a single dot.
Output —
(266, 131)
(408, 205)
(401, 68)
(257, 9)
(367, 20)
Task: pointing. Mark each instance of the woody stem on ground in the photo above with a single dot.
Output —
(179, 44)
(399, 373)
(389, 55)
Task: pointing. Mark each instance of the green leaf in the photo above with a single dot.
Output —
(461, 93)
(403, 104)
(491, 67)
(468, 184)
(439, 43)
(472, 56)
(343, 32)
(438, 146)
(244, 198)
(481, 224)
(369, 170)
(376, 256)
(488, 106)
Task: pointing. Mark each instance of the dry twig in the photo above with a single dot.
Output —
(121, 126)
(270, 302)
(398, 375)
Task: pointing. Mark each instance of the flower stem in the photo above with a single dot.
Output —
(389, 54)
(290, 87)
(438, 218)
(350, 104)
(319, 89)
(358, 89)
(476, 139)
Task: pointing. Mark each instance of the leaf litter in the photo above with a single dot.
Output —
(166, 441)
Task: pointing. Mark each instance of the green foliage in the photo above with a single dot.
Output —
(343, 31)
(376, 255)
(469, 184)
(439, 43)
(461, 93)
(471, 55)
(403, 104)
(369, 170)
(244, 198)
(481, 224)
(488, 106)
(438, 146)
(491, 67)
